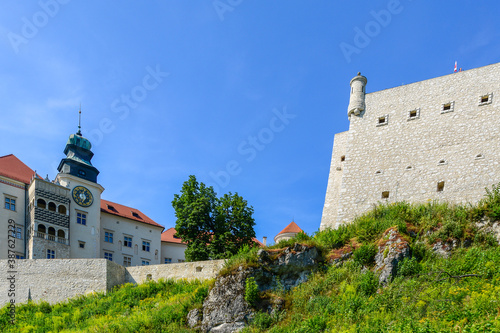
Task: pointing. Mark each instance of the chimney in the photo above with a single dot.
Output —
(264, 240)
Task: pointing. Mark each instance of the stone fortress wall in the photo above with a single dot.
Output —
(56, 280)
(437, 139)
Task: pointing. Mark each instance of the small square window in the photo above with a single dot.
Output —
(81, 244)
(81, 218)
(127, 241)
(413, 114)
(168, 260)
(10, 203)
(385, 195)
(384, 120)
(485, 99)
(145, 263)
(440, 186)
(127, 261)
(447, 107)
(145, 246)
(108, 237)
(51, 254)
(108, 255)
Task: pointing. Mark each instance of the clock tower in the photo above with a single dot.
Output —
(77, 173)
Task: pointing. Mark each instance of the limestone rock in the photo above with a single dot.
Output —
(193, 318)
(225, 308)
(488, 226)
(393, 248)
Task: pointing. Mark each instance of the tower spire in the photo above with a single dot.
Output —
(79, 120)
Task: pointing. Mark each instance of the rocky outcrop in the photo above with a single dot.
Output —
(225, 308)
(486, 225)
(392, 249)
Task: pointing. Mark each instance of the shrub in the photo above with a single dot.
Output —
(365, 254)
(409, 267)
(262, 320)
(251, 291)
(368, 284)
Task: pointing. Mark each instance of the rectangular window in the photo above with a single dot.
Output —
(168, 260)
(447, 107)
(108, 255)
(384, 120)
(145, 246)
(413, 114)
(145, 262)
(127, 241)
(18, 256)
(440, 186)
(51, 254)
(108, 237)
(10, 203)
(81, 218)
(127, 261)
(81, 244)
(16, 232)
(385, 195)
(485, 99)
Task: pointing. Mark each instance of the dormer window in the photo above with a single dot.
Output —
(134, 214)
(111, 208)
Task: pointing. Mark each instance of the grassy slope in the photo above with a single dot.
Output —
(422, 298)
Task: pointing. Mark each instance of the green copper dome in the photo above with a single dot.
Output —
(79, 141)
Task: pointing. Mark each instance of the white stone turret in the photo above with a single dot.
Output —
(357, 100)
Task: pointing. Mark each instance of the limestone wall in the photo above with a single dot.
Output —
(201, 270)
(55, 280)
(411, 152)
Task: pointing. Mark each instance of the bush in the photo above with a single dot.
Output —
(408, 267)
(262, 320)
(251, 291)
(368, 284)
(365, 254)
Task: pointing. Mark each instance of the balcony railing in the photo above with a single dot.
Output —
(52, 238)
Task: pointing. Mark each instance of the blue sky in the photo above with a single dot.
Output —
(246, 95)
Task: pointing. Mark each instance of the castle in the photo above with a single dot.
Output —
(437, 139)
(67, 218)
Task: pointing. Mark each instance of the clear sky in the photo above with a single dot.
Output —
(246, 95)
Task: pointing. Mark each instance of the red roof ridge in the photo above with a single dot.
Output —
(291, 228)
(127, 212)
(168, 236)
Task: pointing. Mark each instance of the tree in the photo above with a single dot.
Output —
(213, 228)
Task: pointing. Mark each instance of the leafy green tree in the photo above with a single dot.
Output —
(212, 227)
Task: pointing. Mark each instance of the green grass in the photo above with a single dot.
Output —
(151, 307)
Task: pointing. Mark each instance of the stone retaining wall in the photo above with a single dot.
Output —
(56, 280)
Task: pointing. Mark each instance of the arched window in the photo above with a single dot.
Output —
(52, 206)
(61, 209)
(52, 231)
(41, 203)
(41, 228)
(61, 234)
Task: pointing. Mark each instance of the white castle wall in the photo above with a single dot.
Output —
(56, 280)
(403, 156)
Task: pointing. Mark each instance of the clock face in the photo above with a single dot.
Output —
(82, 196)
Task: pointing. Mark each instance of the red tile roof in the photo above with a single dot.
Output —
(168, 236)
(127, 212)
(291, 228)
(13, 168)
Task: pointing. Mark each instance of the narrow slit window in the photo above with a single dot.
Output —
(385, 195)
(440, 186)
(342, 158)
